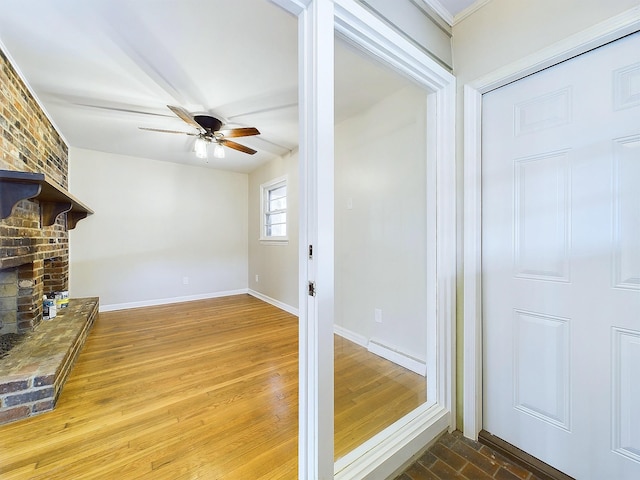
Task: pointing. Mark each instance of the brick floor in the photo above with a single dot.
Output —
(456, 457)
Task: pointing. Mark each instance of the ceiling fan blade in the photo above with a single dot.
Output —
(166, 131)
(185, 116)
(239, 132)
(236, 146)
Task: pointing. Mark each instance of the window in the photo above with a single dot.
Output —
(274, 210)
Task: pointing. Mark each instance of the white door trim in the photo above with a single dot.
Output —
(386, 452)
(315, 66)
(315, 364)
(612, 29)
(383, 454)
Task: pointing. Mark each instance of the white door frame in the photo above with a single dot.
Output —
(386, 452)
(612, 29)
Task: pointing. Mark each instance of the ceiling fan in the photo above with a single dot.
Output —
(209, 130)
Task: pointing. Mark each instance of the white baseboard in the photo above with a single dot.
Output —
(378, 348)
(351, 336)
(397, 357)
(274, 302)
(167, 301)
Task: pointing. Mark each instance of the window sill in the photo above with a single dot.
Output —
(274, 241)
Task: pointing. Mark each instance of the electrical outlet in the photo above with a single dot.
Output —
(185, 280)
(377, 314)
(257, 278)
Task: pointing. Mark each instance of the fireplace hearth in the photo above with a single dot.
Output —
(34, 370)
(34, 261)
(8, 341)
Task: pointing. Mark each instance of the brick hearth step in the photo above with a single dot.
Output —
(33, 373)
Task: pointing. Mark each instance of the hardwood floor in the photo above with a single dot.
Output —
(204, 389)
(370, 394)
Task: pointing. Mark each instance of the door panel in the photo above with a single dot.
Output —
(561, 263)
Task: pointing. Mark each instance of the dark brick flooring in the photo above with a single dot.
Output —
(456, 457)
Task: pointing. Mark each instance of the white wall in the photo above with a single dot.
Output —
(380, 215)
(275, 264)
(154, 224)
(499, 34)
(420, 23)
(503, 31)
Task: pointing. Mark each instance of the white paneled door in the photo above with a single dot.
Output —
(561, 263)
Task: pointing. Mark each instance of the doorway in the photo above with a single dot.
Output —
(387, 451)
(561, 268)
(624, 338)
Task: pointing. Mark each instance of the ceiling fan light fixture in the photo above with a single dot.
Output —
(200, 147)
(218, 151)
(209, 131)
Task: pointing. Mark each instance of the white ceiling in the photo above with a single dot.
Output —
(103, 68)
(455, 6)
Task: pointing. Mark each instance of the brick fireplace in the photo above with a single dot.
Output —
(22, 288)
(34, 253)
(37, 255)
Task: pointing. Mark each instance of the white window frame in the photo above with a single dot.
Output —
(265, 188)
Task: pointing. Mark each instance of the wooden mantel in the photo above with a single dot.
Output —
(54, 200)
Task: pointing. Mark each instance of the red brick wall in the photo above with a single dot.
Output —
(30, 143)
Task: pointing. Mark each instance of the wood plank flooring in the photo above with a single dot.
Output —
(370, 394)
(205, 389)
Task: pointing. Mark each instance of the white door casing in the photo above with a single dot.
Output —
(383, 454)
(390, 449)
(315, 424)
(600, 34)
